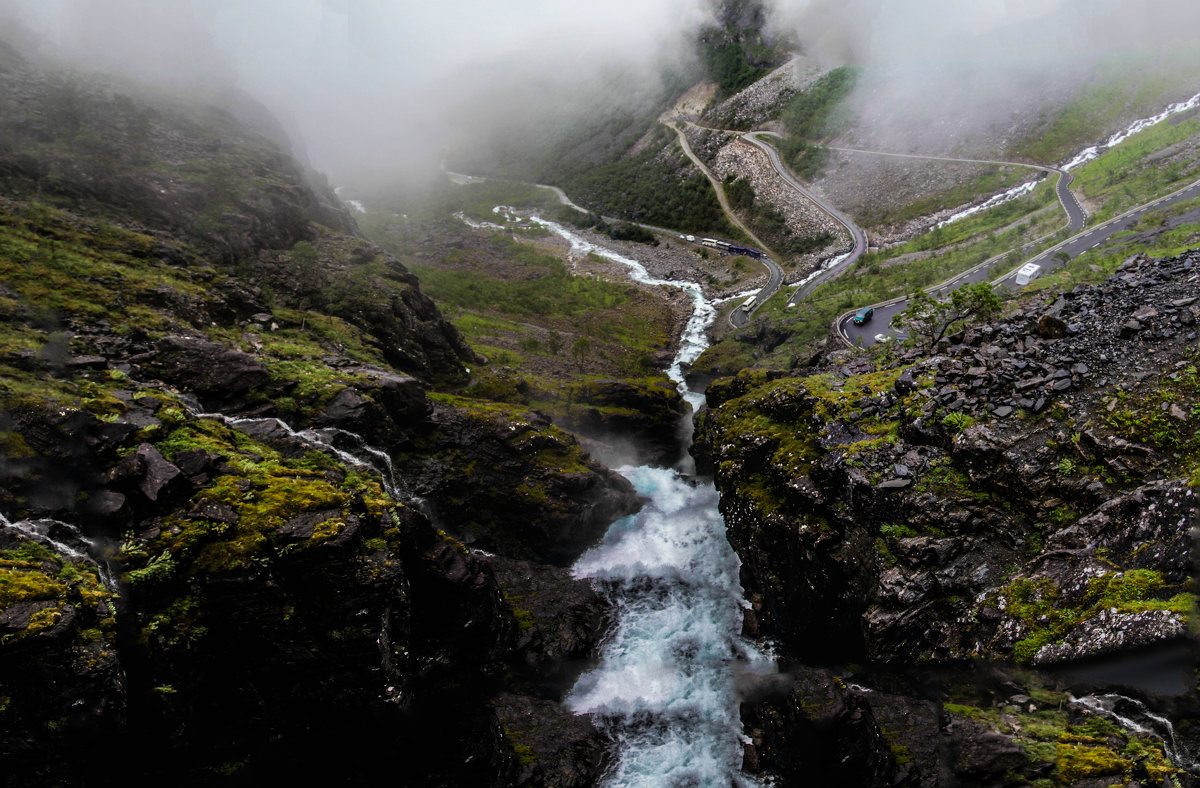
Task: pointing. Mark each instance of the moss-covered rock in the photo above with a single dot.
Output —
(505, 479)
(62, 682)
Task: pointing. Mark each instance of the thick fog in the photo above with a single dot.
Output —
(950, 75)
(371, 86)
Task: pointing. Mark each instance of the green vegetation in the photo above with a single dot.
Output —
(1065, 746)
(1128, 84)
(772, 421)
(55, 265)
(818, 112)
(1163, 414)
(618, 231)
(736, 55)
(991, 179)
(517, 304)
(927, 319)
(33, 573)
(648, 189)
(1137, 170)
(258, 494)
(881, 275)
(552, 291)
(728, 65)
(1048, 617)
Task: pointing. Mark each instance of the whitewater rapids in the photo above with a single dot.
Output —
(666, 686)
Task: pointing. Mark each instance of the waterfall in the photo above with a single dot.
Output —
(1133, 715)
(361, 454)
(666, 684)
(1087, 154)
(67, 540)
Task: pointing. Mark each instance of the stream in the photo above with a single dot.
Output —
(666, 685)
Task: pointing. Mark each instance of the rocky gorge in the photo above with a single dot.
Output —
(1018, 495)
(243, 512)
(263, 518)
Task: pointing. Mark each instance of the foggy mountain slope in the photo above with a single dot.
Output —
(187, 328)
(1049, 123)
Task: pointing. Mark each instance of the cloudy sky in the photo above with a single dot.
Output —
(363, 81)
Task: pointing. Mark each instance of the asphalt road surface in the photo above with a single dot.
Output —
(857, 236)
(1048, 260)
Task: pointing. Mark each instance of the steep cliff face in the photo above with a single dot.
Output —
(246, 600)
(1024, 495)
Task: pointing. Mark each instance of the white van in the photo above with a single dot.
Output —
(1027, 273)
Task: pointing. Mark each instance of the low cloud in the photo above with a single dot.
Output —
(371, 85)
(949, 75)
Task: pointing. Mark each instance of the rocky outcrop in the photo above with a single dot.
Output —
(221, 376)
(275, 612)
(62, 683)
(275, 608)
(818, 733)
(626, 422)
(1022, 496)
(505, 480)
(994, 500)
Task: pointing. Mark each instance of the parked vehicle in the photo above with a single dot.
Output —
(863, 315)
(1027, 273)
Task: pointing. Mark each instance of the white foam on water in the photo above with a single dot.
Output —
(1087, 154)
(39, 531)
(77, 547)
(991, 202)
(1133, 715)
(666, 684)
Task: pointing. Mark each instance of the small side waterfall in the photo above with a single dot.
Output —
(353, 450)
(1133, 715)
(67, 540)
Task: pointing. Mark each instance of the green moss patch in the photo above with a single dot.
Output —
(263, 490)
(1047, 616)
(33, 573)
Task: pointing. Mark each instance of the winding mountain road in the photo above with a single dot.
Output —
(1076, 216)
(857, 236)
(739, 316)
(1049, 259)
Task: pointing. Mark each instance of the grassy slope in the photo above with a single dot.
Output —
(540, 326)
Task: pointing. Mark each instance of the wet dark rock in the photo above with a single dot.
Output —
(627, 423)
(104, 503)
(302, 525)
(1051, 327)
(983, 756)
(557, 749)
(1113, 631)
(1130, 328)
(383, 408)
(222, 377)
(548, 510)
(819, 733)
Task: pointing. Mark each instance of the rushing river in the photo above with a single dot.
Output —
(666, 684)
